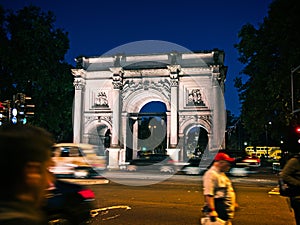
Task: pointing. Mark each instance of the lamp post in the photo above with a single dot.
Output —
(293, 70)
(151, 127)
(266, 127)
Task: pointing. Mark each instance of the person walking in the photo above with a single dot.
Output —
(291, 174)
(25, 157)
(219, 195)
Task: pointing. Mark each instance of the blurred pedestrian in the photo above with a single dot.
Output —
(25, 155)
(291, 174)
(220, 199)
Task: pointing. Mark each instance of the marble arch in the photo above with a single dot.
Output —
(111, 90)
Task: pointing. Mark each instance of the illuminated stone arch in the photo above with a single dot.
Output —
(111, 89)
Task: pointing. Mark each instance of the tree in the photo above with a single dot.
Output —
(269, 52)
(33, 63)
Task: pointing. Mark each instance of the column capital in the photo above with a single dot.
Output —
(79, 83)
(174, 74)
(117, 77)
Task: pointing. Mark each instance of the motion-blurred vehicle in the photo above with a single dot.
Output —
(196, 166)
(69, 204)
(77, 160)
(239, 171)
(250, 161)
(155, 162)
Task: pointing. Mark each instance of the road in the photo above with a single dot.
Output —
(177, 200)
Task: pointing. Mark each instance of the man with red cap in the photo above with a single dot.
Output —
(217, 189)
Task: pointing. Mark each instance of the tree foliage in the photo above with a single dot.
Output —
(269, 52)
(32, 62)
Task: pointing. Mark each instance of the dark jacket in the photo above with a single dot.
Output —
(20, 213)
(291, 171)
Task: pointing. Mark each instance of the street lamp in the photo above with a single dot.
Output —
(292, 87)
(151, 130)
(266, 127)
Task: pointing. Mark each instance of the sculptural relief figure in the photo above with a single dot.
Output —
(195, 98)
(101, 100)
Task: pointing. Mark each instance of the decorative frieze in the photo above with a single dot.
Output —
(162, 86)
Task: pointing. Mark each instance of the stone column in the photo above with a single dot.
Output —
(135, 138)
(174, 71)
(122, 158)
(116, 107)
(116, 118)
(173, 149)
(168, 128)
(219, 121)
(181, 142)
(79, 84)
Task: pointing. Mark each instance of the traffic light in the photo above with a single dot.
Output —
(1, 113)
(297, 131)
(21, 109)
(29, 107)
(4, 112)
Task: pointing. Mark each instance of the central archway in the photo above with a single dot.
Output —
(153, 123)
(147, 131)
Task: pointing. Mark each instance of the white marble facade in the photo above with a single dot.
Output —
(110, 90)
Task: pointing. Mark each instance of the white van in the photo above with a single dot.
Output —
(77, 160)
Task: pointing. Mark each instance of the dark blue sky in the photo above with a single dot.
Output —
(97, 26)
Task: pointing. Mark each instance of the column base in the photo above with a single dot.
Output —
(113, 158)
(173, 153)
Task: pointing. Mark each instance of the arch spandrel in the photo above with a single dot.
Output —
(137, 99)
(96, 122)
(189, 121)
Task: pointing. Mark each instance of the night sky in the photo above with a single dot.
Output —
(97, 26)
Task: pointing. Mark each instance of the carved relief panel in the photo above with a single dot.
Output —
(99, 99)
(194, 97)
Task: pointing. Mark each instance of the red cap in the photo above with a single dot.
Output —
(223, 156)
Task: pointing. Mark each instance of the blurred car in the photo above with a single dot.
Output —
(198, 166)
(156, 162)
(77, 160)
(195, 166)
(69, 204)
(192, 167)
(251, 161)
(239, 171)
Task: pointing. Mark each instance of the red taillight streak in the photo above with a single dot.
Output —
(87, 194)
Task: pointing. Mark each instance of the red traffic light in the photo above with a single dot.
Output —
(297, 129)
(2, 107)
